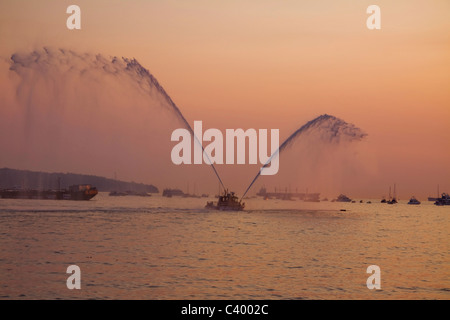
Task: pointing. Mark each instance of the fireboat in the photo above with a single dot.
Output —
(227, 202)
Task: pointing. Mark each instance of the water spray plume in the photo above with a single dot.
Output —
(330, 129)
(63, 62)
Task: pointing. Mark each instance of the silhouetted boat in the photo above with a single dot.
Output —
(433, 198)
(413, 200)
(392, 200)
(172, 192)
(75, 192)
(444, 200)
(343, 198)
(227, 202)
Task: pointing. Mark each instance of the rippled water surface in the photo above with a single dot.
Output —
(173, 248)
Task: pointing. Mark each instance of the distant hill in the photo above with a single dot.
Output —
(10, 178)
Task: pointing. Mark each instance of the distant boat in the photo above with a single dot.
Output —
(413, 200)
(172, 192)
(188, 195)
(75, 192)
(227, 202)
(433, 198)
(444, 200)
(392, 200)
(343, 198)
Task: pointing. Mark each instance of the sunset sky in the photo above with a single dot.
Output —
(277, 64)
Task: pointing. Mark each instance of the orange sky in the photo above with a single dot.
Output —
(278, 64)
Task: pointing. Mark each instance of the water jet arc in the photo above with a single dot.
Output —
(334, 130)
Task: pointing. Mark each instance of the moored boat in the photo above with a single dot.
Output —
(392, 200)
(343, 198)
(172, 192)
(434, 199)
(75, 192)
(444, 200)
(413, 200)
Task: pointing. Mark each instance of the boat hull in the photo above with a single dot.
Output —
(225, 208)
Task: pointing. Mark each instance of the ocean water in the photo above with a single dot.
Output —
(172, 248)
